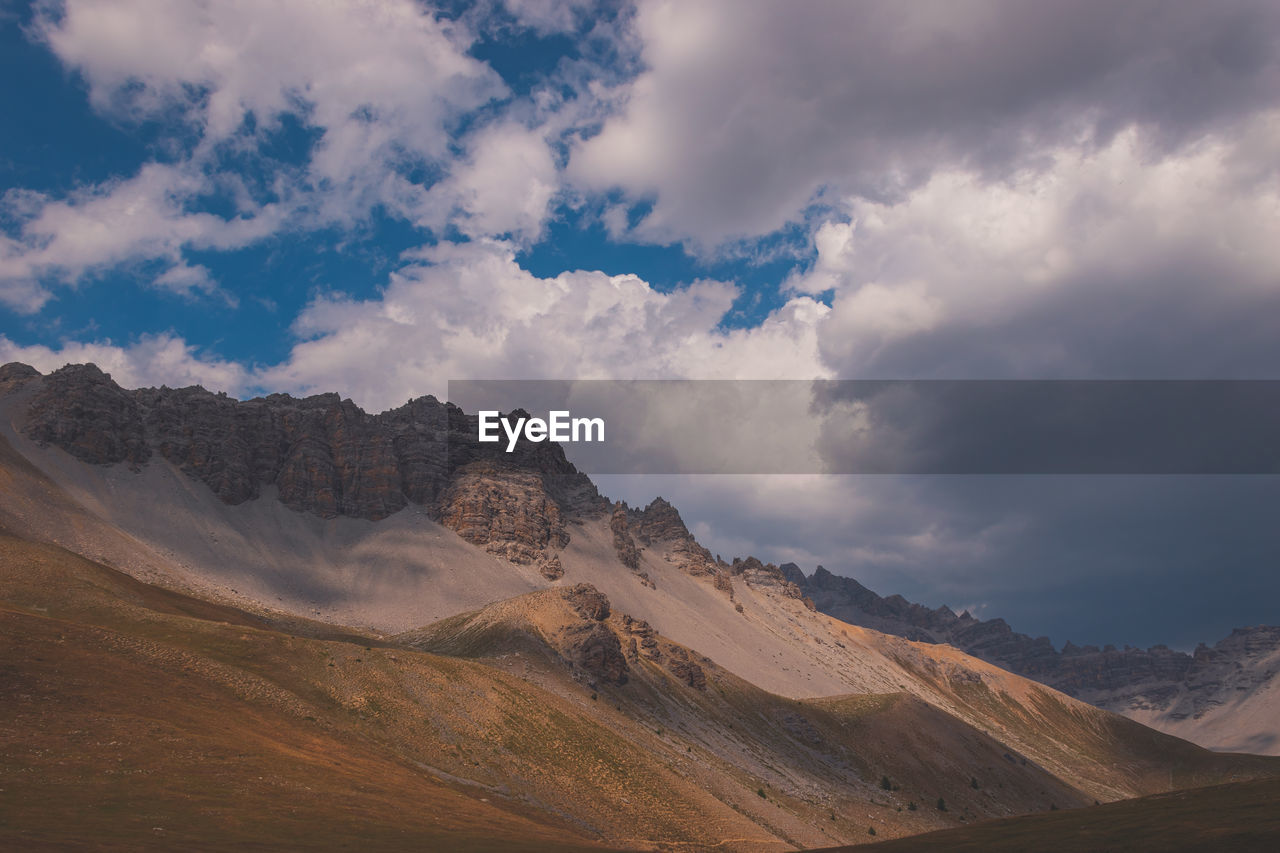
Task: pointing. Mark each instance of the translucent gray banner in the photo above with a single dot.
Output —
(886, 426)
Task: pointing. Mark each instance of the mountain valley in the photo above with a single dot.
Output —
(290, 623)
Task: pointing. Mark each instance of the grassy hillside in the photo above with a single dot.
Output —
(825, 759)
(134, 716)
(1104, 754)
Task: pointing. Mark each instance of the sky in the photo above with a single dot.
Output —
(377, 198)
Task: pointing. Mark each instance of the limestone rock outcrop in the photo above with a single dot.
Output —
(596, 651)
(680, 664)
(14, 375)
(642, 638)
(86, 414)
(764, 575)
(506, 512)
(659, 526)
(623, 544)
(591, 647)
(550, 568)
(587, 601)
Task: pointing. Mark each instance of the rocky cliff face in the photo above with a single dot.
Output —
(623, 543)
(1123, 680)
(769, 576)
(660, 526)
(642, 640)
(660, 529)
(590, 647)
(323, 454)
(1174, 684)
(508, 512)
(15, 375)
(601, 654)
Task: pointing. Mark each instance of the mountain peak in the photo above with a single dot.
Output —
(792, 572)
(323, 453)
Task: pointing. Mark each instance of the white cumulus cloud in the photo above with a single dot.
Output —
(468, 311)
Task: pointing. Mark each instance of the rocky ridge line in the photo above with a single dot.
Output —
(1117, 679)
(323, 454)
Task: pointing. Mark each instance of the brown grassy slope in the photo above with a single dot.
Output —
(120, 734)
(128, 708)
(123, 718)
(1104, 754)
(1242, 817)
(821, 758)
(627, 782)
(651, 762)
(207, 721)
(99, 752)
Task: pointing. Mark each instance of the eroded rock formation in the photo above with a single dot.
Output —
(623, 544)
(660, 526)
(323, 454)
(590, 646)
(506, 512)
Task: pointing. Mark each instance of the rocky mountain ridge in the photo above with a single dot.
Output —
(1126, 680)
(326, 456)
(323, 454)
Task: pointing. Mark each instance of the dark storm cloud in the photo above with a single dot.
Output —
(1053, 68)
(897, 427)
(1049, 427)
(1033, 190)
(1138, 560)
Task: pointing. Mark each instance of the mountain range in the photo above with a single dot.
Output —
(1225, 697)
(287, 622)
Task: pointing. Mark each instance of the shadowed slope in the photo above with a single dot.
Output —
(1224, 697)
(1240, 817)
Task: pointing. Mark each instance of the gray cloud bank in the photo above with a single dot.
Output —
(899, 426)
(747, 110)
